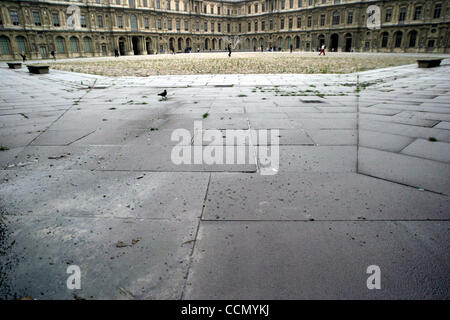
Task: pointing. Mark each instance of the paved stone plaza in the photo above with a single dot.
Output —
(88, 180)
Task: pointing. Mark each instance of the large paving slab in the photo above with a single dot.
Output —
(153, 195)
(412, 171)
(319, 260)
(318, 196)
(152, 264)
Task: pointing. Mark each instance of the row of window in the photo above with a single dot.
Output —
(5, 47)
(336, 19)
(398, 42)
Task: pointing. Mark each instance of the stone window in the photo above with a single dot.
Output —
(291, 4)
(309, 21)
(402, 15)
(263, 25)
(100, 21)
(283, 4)
(87, 44)
(4, 45)
(158, 4)
(169, 24)
(336, 18)
(299, 22)
(133, 22)
(14, 17)
(412, 39)
(271, 24)
(146, 23)
(388, 17)
(178, 25)
(290, 23)
(437, 10)
(36, 18)
(322, 20)
(186, 26)
(132, 3)
(83, 21)
(159, 24)
(120, 22)
(418, 13)
(300, 3)
(256, 26)
(350, 18)
(55, 17)
(249, 27)
(282, 24)
(60, 48)
(74, 44)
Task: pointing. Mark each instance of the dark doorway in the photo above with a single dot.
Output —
(148, 46)
(135, 42)
(348, 44)
(334, 42)
(122, 48)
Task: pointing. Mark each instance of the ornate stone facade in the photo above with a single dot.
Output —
(136, 27)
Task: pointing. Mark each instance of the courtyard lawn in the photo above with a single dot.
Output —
(239, 63)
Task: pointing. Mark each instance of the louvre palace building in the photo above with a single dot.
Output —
(86, 28)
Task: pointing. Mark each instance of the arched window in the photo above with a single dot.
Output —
(60, 48)
(297, 42)
(179, 43)
(87, 44)
(4, 45)
(21, 44)
(133, 22)
(398, 39)
(384, 39)
(412, 39)
(74, 44)
(336, 17)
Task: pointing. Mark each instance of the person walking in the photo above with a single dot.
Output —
(116, 53)
(24, 56)
(53, 53)
(290, 47)
(322, 50)
(229, 50)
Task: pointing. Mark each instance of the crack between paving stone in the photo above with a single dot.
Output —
(195, 240)
(67, 110)
(403, 184)
(331, 220)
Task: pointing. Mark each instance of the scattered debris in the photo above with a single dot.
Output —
(64, 155)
